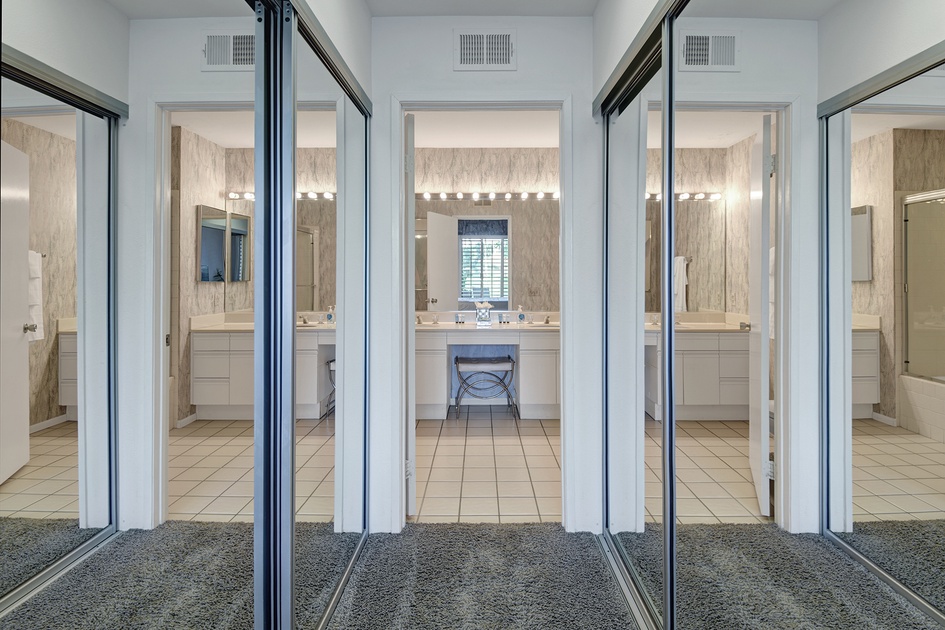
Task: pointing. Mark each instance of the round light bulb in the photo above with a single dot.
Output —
(683, 196)
(312, 195)
(508, 196)
(700, 195)
(646, 196)
(492, 195)
(298, 195)
(328, 195)
(426, 196)
(556, 195)
(233, 195)
(715, 196)
(524, 195)
(659, 196)
(476, 196)
(443, 196)
(540, 195)
(459, 195)
(249, 196)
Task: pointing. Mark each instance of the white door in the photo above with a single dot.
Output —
(759, 437)
(14, 312)
(306, 270)
(442, 262)
(410, 262)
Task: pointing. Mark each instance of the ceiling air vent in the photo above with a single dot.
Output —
(709, 52)
(484, 50)
(229, 52)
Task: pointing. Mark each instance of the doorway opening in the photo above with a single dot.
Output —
(483, 281)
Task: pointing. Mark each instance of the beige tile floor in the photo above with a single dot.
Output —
(487, 467)
(479, 469)
(47, 486)
(897, 474)
(713, 478)
(210, 471)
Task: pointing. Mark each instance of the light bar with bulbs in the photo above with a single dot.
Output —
(683, 196)
(492, 196)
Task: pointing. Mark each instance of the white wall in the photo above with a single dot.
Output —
(616, 23)
(164, 62)
(858, 39)
(412, 62)
(348, 24)
(85, 39)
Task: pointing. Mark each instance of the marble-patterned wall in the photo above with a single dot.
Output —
(884, 167)
(198, 177)
(487, 170)
(52, 232)
(871, 184)
(534, 229)
(715, 235)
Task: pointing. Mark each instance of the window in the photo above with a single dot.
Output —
(484, 260)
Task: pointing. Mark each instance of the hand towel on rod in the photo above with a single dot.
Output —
(680, 280)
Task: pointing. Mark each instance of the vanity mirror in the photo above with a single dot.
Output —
(240, 245)
(211, 244)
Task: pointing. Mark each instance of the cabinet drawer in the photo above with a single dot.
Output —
(865, 390)
(540, 341)
(865, 363)
(866, 341)
(67, 342)
(431, 341)
(69, 394)
(68, 367)
(211, 391)
(697, 341)
(211, 365)
(733, 391)
(700, 383)
(733, 364)
(210, 341)
(307, 340)
(242, 341)
(733, 341)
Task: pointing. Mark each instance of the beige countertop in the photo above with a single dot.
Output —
(248, 327)
(494, 328)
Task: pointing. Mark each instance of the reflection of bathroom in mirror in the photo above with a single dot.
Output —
(307, 283)
(211, 244)
(240, 245)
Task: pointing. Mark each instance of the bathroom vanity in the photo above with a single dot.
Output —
(222, 368)
(537, 353)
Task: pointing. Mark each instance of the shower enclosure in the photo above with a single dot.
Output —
(924, 287)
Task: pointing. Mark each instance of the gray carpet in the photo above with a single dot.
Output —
(482, 576)
(758, 576)
(912, 551)
(29, 545)
(182, 575)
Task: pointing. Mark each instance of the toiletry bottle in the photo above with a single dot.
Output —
(331, 315)
(521, 315)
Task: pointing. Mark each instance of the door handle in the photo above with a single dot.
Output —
(744, 326)
(432, 300)
(28, 328)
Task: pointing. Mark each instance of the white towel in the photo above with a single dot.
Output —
(679, 284)
(35, 296)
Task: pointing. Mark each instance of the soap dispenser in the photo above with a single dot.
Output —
(521, 315)
(331, 315)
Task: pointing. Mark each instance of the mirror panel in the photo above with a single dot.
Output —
(240, 246)
(211, 244)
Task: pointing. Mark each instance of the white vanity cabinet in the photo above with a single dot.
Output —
(865, 372)
(539, 375)
(711, 371)
(432, 375)
(68, 374)
(222, 373)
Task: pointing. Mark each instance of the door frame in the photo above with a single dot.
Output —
(578, 463)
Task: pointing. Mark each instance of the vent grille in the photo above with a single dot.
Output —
(717, 52)
(484, 50)
(229, 52)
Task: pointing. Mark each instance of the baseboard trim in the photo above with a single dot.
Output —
(885, 419)
(183, 422)
(42, 426)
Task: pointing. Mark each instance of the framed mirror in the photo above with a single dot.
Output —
(211, 244)
(239, 241)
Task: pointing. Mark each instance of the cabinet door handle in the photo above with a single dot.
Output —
(28, 328)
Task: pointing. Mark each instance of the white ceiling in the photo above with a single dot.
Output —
(552, 8)
(866, 125)
(476, 129)
(59, 124)
(705, 130)
(761, 9)
(159, 9)
(234, 129)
